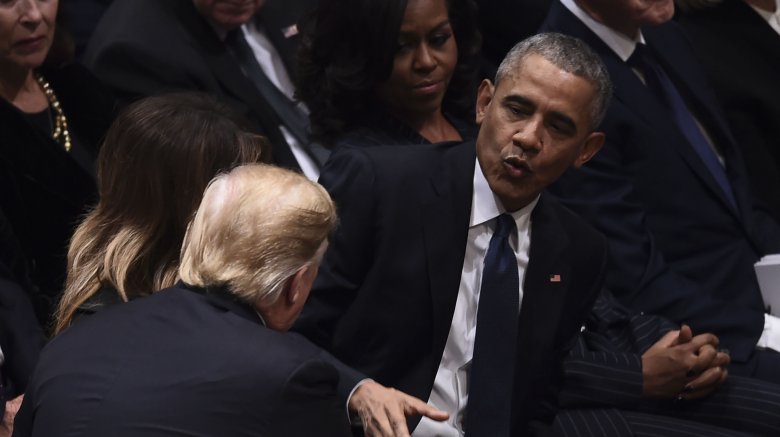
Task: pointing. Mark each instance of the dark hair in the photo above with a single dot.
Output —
(571, 55)
(157, 159)
(348, 47)
(63, 48)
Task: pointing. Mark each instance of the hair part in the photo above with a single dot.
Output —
(158, 157)
(255, 228)
(570, 55)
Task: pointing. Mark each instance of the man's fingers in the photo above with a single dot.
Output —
(709, 378)
(703, 360)
(414, 406)
(705, 339)
(669, 339)
(684, 335)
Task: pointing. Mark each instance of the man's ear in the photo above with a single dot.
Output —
(296, 284)
(592, 145)
(484, 97)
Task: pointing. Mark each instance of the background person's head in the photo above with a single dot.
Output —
(28, 32)
(540, 116)
(627, 16)
(260, 232)
(228, 14)
(157, 158)
(361, 55)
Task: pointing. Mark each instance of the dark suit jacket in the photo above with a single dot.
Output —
(386, 292)
(677, 247)
(740, 53)
(183, 361)
(146, 47)
(45, 190)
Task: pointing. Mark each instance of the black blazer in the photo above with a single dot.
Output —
(183, 361)
(147, 47)
(740, 53)
(386, 292)
(677, 247)
(44, 190)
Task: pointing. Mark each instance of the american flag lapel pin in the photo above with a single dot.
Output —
(555, 278)
(290, 31)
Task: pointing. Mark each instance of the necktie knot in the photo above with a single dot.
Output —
(505, 225)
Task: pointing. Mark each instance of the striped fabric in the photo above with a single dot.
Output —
(603, 386)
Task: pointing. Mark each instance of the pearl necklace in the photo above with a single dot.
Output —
(61, 133)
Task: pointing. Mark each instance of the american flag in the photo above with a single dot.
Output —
(555, 278)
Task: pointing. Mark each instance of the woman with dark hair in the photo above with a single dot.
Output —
(390, 71)
(157, 159)
(53, 114)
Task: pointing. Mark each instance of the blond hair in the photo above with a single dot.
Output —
(255, 228)
(158, 157)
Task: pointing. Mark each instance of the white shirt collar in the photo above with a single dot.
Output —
(773, 18)
(622, 45)
(485, 206)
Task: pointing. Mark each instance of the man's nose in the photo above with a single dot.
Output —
(528, 136)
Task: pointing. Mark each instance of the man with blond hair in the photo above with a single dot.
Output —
(210, 356)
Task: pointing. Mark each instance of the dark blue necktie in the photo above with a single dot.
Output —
(296, 122)
(659, 83)
(488, 413)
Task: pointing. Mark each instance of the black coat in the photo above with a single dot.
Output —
(184, 361)
(45, 191)
(740, 54)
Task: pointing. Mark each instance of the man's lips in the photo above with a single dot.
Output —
(516, 167)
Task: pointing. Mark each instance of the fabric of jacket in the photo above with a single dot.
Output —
(184, 361)
(740, 53)
(45, 190)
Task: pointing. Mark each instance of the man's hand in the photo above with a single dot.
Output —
(709, 380)
(680, 365)
(383, 410)
(11, 408)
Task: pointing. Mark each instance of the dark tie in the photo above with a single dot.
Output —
(296, 122)
(660, 85)
(488, 413)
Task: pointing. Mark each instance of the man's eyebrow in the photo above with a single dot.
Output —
(565, 119)
(515, 98)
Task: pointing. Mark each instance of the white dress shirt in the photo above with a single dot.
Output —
(624, 47)
(274, 69)
(773, 18)
(450, 388)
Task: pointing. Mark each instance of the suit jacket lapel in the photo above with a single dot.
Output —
(693, 86)
(445, 240)
(546, 280)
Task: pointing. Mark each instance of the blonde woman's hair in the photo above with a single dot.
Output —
(255, 228)
(156, 160)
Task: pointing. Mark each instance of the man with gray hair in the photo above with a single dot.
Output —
(210, 356)
(453, 277)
